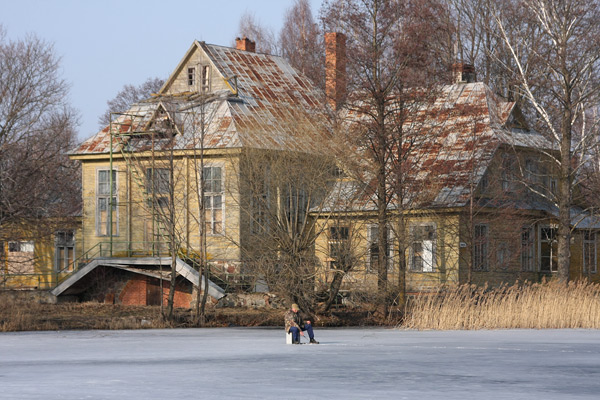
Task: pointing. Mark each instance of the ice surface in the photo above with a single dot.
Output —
(255, 363)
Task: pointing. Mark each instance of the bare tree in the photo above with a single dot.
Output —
(301, 42)
(558, 69)
(389, 43)
(282, 196)
(264, 37)
(37, 128)
(129, 95)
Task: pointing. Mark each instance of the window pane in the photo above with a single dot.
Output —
(27, 247)
(427, 256)
(423, 248)
(70, 257)
(103, 188)
(102, 176)
(209, 220)
(60, 262)
(216, 172)
(207, 173)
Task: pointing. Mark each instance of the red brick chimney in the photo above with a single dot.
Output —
(245, 44)
(463, 73)
(335, 68)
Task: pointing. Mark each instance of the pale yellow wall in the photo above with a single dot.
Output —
(134, 214)
(37, 269)
(447, 255)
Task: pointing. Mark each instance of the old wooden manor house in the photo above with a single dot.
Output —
(233, 119)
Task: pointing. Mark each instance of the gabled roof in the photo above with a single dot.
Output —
(135, 265)
(454, 145)
(266, 104)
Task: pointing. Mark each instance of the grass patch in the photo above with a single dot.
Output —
(546, 305)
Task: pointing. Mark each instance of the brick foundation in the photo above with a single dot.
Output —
(142, 290)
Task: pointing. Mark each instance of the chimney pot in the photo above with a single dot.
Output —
(245, 44)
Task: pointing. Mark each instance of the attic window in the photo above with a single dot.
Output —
(191, 76)
(205, 78)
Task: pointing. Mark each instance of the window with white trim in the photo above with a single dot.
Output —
(373, 250)
(21, 247)
(103, 202)
(20, 257)
(212, 176)
(423, 248)
(589, 252)
(64, 250)
(191, 76)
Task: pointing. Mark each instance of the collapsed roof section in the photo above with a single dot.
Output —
(250, 100)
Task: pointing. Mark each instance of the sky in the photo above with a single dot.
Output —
(255, 363)
(106, 44)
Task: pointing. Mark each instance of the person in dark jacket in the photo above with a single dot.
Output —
(296, 326)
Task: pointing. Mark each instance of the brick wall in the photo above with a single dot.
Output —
(142, 290)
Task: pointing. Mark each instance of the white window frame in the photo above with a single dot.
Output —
(212, 231)
(158, 187)
(26, 246)
(373, 240)
(433, 249)
(191, 76)
(106, 196)
(65, 245)
(594, 253)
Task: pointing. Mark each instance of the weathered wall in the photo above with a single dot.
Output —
(136, 229)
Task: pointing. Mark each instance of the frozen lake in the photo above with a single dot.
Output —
(255, 363)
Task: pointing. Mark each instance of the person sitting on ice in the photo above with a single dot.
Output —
(296, 326)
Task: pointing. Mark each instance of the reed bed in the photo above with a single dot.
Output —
(546, 305)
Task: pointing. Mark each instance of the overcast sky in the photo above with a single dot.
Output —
(105, 44)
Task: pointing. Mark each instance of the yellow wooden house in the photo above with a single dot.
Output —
(141, 174)
(479, 207)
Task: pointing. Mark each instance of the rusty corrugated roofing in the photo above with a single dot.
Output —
(456, 140)
(275, 108)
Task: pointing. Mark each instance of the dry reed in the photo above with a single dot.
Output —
(546, 305)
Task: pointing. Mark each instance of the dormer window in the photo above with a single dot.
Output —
(191, 76)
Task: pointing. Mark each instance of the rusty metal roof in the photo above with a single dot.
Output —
(458, 136)
(275, 107)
